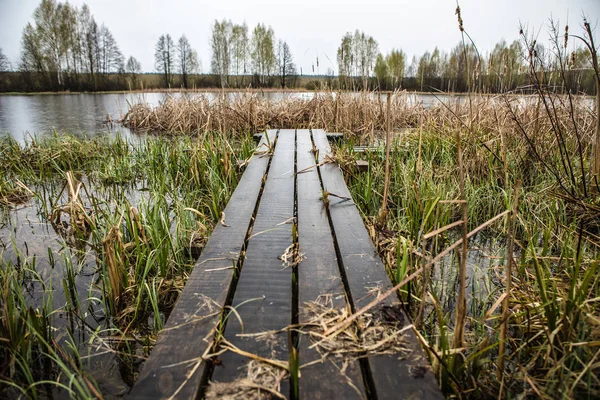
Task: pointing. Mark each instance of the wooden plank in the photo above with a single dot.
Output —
(187, 333)
(263, 297)
(392, 377)
(335, 137)
(361, 166)
(318, 277)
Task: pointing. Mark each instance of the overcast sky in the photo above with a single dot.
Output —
(311, 27)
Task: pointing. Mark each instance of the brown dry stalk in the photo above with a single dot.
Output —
(222, 221)
(442, 229)
(18, 195)
(79, 219)
(470, 234)
(461, 300)
(371, 335)
(225, 344)
(383, 212)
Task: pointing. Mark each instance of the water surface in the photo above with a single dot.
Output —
(23, 116)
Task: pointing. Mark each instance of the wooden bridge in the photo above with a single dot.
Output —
(290, 254)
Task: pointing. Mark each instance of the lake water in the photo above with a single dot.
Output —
(23, 116)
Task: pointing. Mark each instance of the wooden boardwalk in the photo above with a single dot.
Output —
(241, 289)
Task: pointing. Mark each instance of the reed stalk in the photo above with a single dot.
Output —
(461, 299)
(383, 212)
(508, 282)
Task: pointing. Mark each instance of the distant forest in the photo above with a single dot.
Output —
(65, 49)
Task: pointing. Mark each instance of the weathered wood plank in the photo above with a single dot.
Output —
(263, 297)
(318, 278)
(335, 137)
(263, 294)
(188, 332)
(392, 377)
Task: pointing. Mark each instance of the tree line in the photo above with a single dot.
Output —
(239, 60)
(362, 67)
(64, 48)
(504, 68)
(171, 59)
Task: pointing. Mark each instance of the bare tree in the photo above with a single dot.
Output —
(111, 59)
(133, 68)
(285, 63)
(187, 59)
(31, 59)
(89, 43)
(164, 58)
(70, 42)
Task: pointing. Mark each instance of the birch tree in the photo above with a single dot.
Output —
(239, 53)
(357, 55)
(396, 61)
(220, 45)
(263, 53)
(4, 64)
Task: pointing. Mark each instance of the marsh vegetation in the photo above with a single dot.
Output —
(491, 204)
(97, 237)
(120, 224)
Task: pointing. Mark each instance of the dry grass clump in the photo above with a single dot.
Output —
(378, 332)
(549, 305)
(560, 337)
(262, 381)
(358, 114)
(13, 193)
(78, 220)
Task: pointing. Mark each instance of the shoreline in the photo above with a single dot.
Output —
(263, 90)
